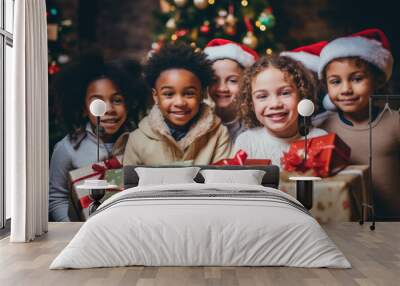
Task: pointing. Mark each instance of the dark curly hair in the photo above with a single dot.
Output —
(179, 56)
(293, 71)
(70, 85)
(381, 85)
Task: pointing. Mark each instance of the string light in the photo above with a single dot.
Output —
(66, 23)
(211, 2)
(245, 3)
(263, 28)
(53, 11)
(174, 37)
(258, 24)
(268, 51)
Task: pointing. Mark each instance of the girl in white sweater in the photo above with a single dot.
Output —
(269, 93)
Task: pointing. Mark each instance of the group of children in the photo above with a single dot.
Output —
(253, 108)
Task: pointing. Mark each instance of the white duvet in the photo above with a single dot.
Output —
(207, 230)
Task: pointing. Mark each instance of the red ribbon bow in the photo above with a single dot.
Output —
(294, 159)
(237, 160)
(110, 164)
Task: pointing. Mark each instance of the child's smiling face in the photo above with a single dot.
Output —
(349, 85)
(116, 113)
(275, 102)
(178, 94)
(226, 87)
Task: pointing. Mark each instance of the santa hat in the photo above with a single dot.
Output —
(218, 49)
(307, 55)
(370, 45)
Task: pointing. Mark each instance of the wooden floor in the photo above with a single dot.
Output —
(374, 255)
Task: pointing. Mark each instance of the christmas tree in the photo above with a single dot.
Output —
(198, 21)
(62, 47)
(61, 34)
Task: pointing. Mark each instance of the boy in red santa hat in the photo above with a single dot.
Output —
(353, 68)
(229, 60)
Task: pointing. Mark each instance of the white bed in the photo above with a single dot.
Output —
(203, 225)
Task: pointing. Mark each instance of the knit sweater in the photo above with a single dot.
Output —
(258, 143)
(385, 155)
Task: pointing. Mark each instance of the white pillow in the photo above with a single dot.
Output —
(248, 177)
(163, 176)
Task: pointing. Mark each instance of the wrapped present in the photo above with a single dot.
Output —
(237, 160)
(326, 155)
(240, 159)
(115, 177)
(110, 170)
(257, 162)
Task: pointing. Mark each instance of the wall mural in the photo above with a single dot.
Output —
(215, 90)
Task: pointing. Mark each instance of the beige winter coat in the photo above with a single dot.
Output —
(152, 144)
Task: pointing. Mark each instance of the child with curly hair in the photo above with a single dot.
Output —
(120, 85)
(353, 69)
(180, 128)
(229, 59)
(269, 94)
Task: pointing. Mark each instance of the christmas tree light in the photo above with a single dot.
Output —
(248, 22)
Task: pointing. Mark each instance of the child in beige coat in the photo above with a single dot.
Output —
(180, 128)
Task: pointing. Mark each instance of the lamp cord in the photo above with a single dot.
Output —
(98, 137)
(305, 140)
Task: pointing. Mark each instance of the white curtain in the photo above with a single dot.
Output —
(27, 124)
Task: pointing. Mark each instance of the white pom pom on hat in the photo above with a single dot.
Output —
(328, 104)
(371, 45)
(218, 49)
(307, 55)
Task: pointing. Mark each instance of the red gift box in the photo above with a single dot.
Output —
(326, 155)
(240, 159)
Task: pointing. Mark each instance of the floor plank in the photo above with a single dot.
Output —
(374, 255)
